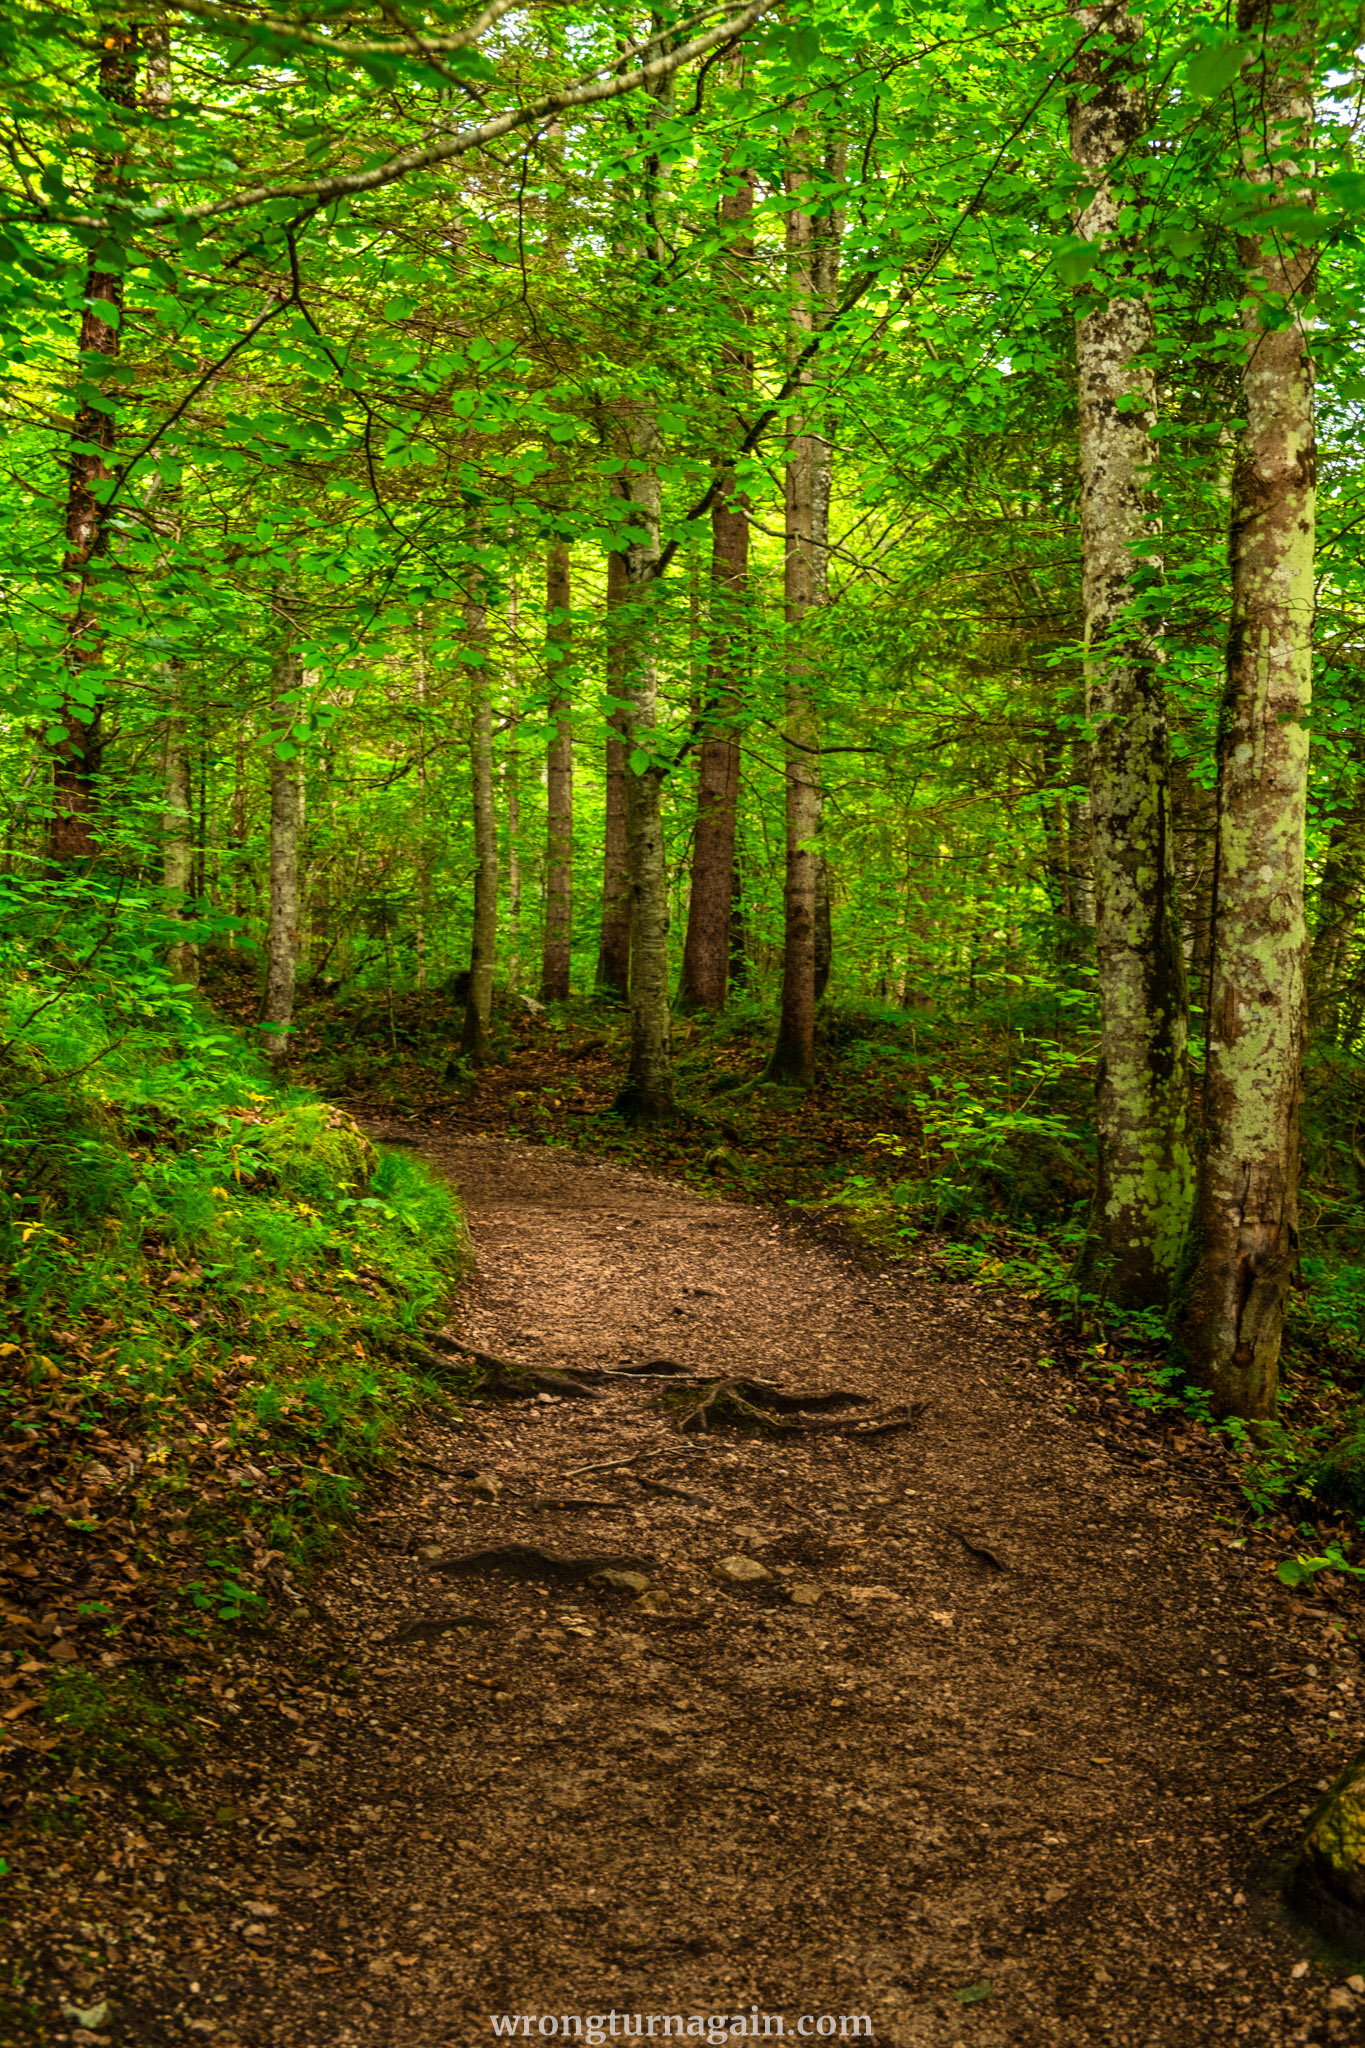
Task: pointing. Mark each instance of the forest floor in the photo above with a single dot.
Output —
(1004, 1741)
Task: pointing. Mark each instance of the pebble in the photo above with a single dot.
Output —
(805, 1593)
(623, 1582)
(86, 2015)
(743, 1571)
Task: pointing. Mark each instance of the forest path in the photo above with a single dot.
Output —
(1039, 1770)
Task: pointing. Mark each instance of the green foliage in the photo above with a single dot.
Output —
(194, 1257)
(117, 1723)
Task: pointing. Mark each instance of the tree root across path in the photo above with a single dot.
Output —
(920, 1706)
(526, 1561)
(757, 1404)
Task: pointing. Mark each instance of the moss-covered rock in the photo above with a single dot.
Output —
(315, 1149)
(1327, 1884)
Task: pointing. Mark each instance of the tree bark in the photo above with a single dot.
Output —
(1246, 1237)
(77, 756)
(554, 973)
(282, 938)
(474, 1043)
(511, 784)
(648, 1092)
(1142, 1200)
(613, 958)
(827, 235)
(706, 952)
(793, 1056)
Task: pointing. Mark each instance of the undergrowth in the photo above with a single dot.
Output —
(212, 1287)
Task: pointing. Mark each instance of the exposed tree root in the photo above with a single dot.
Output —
(524, 1561)
(988, 1557)
(756, 1404)
(500, 1380)
(565, 1500)
(901, 1415)
(428, 1627)
(668, 1492)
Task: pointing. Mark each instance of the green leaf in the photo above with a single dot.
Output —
(973, 1993)
(1210, 72)
(1076, 259)
(639, 761)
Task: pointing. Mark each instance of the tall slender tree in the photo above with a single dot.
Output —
(613, 954)
(282, 936)
(1246, 1230)
(78, 753)
(1142, 1200)
(706, 951)
(648, 1092)
(554, 972)
(793, 1056)
(478, 1011)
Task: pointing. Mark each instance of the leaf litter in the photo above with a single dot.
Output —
(1004, 1806)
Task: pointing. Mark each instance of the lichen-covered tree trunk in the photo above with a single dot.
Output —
(1145, 1180)
(478, 1010)
(282, 937)
(613, 955)
(177, 830)
(77, 755)
(793, 1056)
(554, 968)
(648, 1092)
(1246, 1240)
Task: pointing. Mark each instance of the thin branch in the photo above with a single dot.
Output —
(276, 26)
(593, 92)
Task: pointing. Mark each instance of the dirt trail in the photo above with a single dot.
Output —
(1021, 1741)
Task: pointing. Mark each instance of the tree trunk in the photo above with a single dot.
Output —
(511, 784)
(706, 953)
(793, 1056)
(474, 1043)
(827, 235)
(177, 840)
(1340, 895)
(1246, 1239)
(648, 1093)
(739, 944)
(554, 972)
(77, 755)
(1142, 1199)
(613, 958)
(282, 938)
